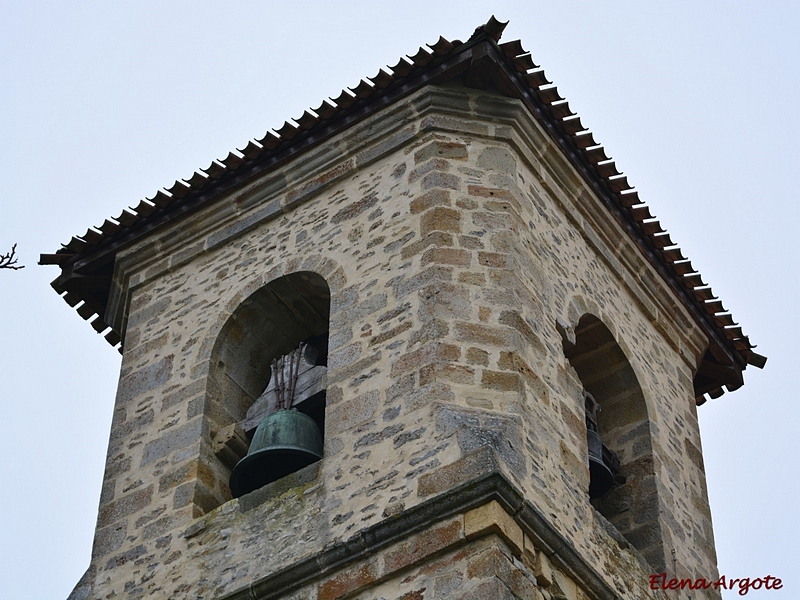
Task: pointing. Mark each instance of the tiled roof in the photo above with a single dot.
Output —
(87, 260)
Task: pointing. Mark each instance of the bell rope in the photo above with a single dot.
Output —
(285, 383)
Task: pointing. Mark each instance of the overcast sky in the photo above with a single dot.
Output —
(101, 104)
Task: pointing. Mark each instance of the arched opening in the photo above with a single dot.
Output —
(284, 322)
(621, 420)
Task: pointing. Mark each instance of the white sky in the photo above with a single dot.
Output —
(103, 103)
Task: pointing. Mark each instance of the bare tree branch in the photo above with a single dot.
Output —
(7, 261)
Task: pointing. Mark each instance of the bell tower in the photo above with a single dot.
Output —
(423, 342)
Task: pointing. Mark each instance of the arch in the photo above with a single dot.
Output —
(632, 504)
(269, 323)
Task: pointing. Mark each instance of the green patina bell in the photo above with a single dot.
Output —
(284, 442)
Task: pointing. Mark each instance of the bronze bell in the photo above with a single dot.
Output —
(601, 478)
(284, 442)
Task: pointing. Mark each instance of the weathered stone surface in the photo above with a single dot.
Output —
(108, 539)
(476, 429)
(125, 506)
(346, 415)
(346, 582)
(298, 480)
(441, 219)
(430, 199)
(391, 333)
(492, 518)
(543, 570)
(423, 546)
(453, 263)
(433, 352)
(436, 238)
(495, 561)
(441, 149)
(493, 588)
(435, 164)
(405, 285)
(497, 380)
(356, 208)
(344, 356)
(486, 335)
(174, 440)
(497, 159)
(472, 466)
(476, 356)
(447, 256)
(83, 589)
(145, 380)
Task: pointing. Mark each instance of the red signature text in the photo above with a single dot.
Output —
(742, 584)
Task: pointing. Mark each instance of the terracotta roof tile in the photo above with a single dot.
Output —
(534, 87)
(421, 58)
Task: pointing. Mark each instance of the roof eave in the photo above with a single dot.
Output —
(87, 263)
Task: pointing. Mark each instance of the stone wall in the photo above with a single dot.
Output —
(459, 247)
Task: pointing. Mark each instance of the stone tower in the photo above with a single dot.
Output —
(486, 293)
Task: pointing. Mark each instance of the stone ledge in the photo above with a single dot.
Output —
(488, 488)
(492, 518)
